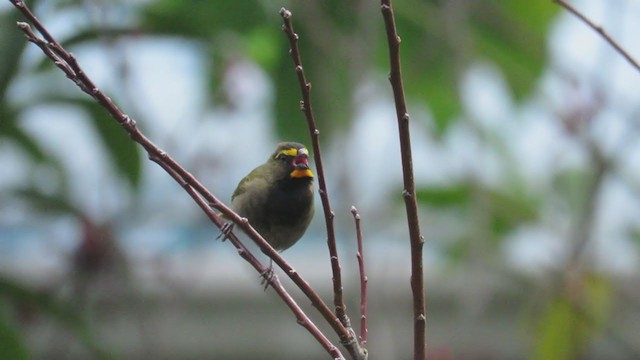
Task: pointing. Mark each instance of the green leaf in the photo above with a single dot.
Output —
(428, 61)
(12, 45)
(510, 209)
(124, 153)
(506, 208)
(571, 186)
(64, 314)
(331, 91)
(10, 130)
(571, 321)
(50, 203)
(634, 234)
(557, 331)
(598, 302)
(445, 196)
(12, 345)
(441, 92)
(434, 52)
(264, 46)
(457, 251)
(289, 120)
(202, 19)
(513, 35)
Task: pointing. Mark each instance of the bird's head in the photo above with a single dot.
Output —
(291, 161)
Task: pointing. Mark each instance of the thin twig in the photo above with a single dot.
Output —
(363, 278)
(350, 342)
(305, 106)
(409, 192)
(69, 65)
(274, 281)
(44, 46)
(600, 31)
(346, 335)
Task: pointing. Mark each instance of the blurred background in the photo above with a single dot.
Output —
(524, 130)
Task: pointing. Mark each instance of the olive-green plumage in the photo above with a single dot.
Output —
(277, 196)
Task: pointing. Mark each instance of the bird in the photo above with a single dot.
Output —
(277, 196)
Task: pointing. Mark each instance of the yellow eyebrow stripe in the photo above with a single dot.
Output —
(292, 152)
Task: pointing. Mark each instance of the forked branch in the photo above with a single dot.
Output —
(68, 64)
(273, 280)
(363, 278)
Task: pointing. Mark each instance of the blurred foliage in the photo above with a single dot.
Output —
(573, 184)
(56, 203)
(342, 45)
(12, 345)
(634, 234)
(440, 39)
(505, 210)
(16, 293)
(571, 320)
(13, 42)
(339, 49)
(124, 154)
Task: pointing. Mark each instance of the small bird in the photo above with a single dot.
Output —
(277, 196)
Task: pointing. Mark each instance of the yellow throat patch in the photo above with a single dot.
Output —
(301, 173)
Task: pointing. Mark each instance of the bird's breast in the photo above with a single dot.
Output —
(291, 204)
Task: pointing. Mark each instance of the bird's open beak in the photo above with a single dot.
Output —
(301, 166)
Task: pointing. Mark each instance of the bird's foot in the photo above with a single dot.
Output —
(225, 231)
(267, 276)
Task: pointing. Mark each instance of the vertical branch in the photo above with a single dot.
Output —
(363, 278)
(409, 192)
(350, 341)
(305, 106)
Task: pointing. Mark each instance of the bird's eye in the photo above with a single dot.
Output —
(282, 157)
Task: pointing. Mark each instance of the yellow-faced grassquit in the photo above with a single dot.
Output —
(277, 196)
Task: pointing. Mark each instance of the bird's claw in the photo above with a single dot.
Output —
(225, 231)
(267, 276)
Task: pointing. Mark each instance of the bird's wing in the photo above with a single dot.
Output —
(251, 181)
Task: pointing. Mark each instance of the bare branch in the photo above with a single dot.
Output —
(305, 105)
(44, 46)
(346, 335)
(273, 281)
(600, 31)
(409, 192)
(67, 62)
(363, 278)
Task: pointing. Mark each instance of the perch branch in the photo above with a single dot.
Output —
(273, 281)
(409, 192)
(600, 31)
(67, 62)
(363, 278)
